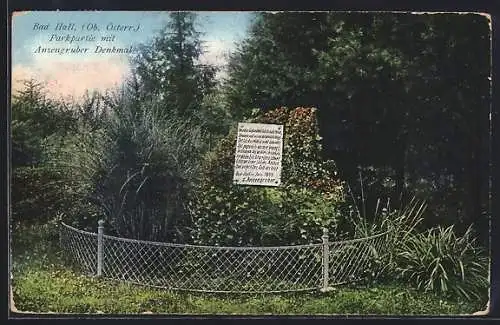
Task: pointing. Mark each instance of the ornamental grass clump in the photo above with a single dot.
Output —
(440, 261)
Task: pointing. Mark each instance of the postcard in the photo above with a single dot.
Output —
(250, 163)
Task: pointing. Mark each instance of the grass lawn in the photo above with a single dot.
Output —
(42, 284)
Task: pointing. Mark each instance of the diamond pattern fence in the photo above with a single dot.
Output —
(222, 269)
(81, 247)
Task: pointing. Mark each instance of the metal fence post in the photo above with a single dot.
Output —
(100, 233)
(325, 261)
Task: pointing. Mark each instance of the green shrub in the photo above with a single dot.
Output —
(135, 171)
(39, 194)
(35, 195)
(295, 212)
(437, 260)
(34, 118)
(74, 160)
(146, 173)
(36, 239)
(396, 227)
(440, 261)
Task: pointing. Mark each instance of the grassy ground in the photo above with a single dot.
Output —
(42, 284)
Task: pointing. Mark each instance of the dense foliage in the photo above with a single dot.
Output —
(295, 212)
(440, 261)
(38, 122)
(167, 68)
(403, 98)
(436, 260)
(145, 173)
(35, 117)
(136, 170)
(402, 103)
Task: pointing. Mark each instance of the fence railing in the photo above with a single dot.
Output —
(223, 269)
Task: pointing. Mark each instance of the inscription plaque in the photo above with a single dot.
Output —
(259, 149)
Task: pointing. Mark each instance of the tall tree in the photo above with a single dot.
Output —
(274, 65)
(405, 94)
(169, 68)
(35, 117)
(39, 125)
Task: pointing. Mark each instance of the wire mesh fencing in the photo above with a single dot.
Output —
(81, 247)
(222, 269)
(350, 260)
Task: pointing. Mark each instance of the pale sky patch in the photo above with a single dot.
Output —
(216, 52)
(73, 78)
(73, 74)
